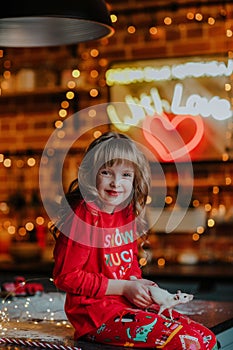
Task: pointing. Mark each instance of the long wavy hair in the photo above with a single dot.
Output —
(110, 148)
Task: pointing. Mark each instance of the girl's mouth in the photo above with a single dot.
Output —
(113, 193)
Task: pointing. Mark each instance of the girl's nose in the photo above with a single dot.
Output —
(115, 181)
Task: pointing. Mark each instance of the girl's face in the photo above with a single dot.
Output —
(114, 184)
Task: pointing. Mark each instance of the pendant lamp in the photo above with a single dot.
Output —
(25, 23)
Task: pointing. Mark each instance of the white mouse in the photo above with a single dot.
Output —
(167, 300)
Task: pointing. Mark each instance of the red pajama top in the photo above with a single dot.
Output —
(94, 247)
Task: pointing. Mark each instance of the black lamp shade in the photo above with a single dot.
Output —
(25, 23)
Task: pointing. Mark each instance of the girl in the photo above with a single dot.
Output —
(96, 260)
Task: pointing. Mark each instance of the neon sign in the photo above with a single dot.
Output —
(166, 141)
(216, 107)
(130, 75)
(219, 109)
(186, 96)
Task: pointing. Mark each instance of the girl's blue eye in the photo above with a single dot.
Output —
(127, 174)
(105, 172)
(109, 173)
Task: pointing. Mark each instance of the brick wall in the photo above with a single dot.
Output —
(27, 119)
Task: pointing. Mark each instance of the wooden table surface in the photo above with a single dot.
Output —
(218, 316)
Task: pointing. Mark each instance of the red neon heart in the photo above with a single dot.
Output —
(166, 140)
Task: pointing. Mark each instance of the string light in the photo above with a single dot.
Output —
(161, 262)
(200, 230)
(229, 33)
(131, 29)
(210, 223)
(190, 15)
(17, 313)
(58, 124)
(61, 134)
(113, 18)
(62, 113)
(71, 84)
(195, 237)
(198, 17)
(92, 113)
(94, 92)
(94, 74)
(211, 21)
(94, 53)
(153, 30)
(228, 181)
(7, 162)
(31, 162)
(65, 104)
(20, 163)
(76, 73)
(70, 95)
(168, 21)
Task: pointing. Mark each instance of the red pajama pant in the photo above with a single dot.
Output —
(146, 329)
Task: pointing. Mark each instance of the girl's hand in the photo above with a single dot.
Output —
(145, 281)
(137, 292)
